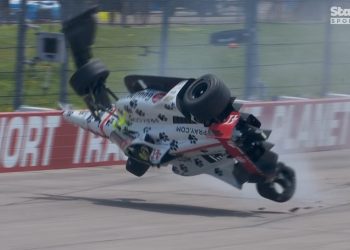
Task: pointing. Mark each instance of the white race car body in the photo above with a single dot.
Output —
(149, 127)
(192, 124)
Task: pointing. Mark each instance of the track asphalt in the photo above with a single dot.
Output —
(107, 208)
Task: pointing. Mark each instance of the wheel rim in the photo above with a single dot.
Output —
(281, 186)
(199, 90)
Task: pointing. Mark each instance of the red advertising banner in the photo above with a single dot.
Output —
(44, 140)
(305, 125)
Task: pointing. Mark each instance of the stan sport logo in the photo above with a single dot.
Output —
(340, 15)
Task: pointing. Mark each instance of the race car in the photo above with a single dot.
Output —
(193, 125)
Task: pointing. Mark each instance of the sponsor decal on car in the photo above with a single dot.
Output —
(146, 94)
(144, 120)
(157, 97)
(194, 131)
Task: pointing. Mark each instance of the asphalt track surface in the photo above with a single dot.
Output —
(108, 208)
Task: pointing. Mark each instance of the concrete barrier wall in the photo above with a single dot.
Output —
(44, 140)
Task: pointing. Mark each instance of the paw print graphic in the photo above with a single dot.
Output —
(146, 129)
(170, 106)
(127, 109)
(176, 170)
(174, 145)
(218, 171)
(183, 168)
(90, 119)
(162, 117)
(163, 137)
(140, 112)
(133, 104)
(68, 113)
(192, 139)
(198, 162)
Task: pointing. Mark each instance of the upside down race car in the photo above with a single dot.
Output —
(193, 125)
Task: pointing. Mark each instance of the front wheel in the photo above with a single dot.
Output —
(87, 77)
(280, 189)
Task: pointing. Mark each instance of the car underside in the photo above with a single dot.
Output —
(192, 124)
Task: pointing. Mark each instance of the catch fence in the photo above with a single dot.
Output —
(261, 49)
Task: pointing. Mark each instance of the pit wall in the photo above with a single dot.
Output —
(44, 140)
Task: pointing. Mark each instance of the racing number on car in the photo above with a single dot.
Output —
(155, 156)
(232, 119)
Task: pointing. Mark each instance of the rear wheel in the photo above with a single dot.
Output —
(207, 99)
(282, 188)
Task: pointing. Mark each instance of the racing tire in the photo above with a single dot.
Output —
(267, 162)
(88, 77)
(136, 168)
(206, 99)
(285, 179)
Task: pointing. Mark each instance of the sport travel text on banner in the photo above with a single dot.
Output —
(44, 140)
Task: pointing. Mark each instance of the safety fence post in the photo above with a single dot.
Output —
(327, 54)
(21, 39)
(164, 39)
(251, 53)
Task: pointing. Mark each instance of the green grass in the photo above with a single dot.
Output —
(293, 69)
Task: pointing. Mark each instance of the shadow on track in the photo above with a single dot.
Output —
(140, 204)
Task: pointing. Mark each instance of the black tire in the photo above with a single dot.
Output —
(136, 168)
(285, 178)
(206, 99)
(267, 162)
(88, 77)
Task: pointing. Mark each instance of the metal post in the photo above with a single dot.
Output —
(21, 38)
(251, 54)
(327, 56)
(64, 79)
(70, 8)
(64, 67)
(164, 40)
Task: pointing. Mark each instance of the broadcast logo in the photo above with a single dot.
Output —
(339, 15)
